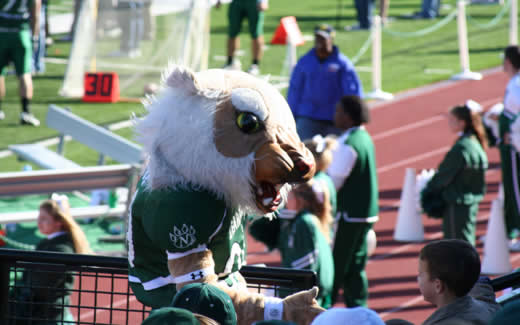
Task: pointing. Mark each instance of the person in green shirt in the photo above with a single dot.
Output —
(459, 179)
(19, 19)
(322, 150)
(353, 170)
(303, 235)
(253, 11)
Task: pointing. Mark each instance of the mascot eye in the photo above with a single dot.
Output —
(248, 122)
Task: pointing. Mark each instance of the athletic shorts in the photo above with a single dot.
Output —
(16, 47)
(240, 9)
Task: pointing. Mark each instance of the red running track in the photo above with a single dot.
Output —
(412, 131)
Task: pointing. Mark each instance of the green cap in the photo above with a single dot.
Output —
(170, 315)
(207, 300)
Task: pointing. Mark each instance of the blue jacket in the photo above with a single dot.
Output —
(316, 87)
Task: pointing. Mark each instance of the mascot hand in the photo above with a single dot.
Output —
(301, 307)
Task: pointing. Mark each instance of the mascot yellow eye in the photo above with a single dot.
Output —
(248, 122)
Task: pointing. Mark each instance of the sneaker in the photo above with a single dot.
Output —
(236, 65)
(254, 70)
(355, 27)
(29, 119)
(134, 53)
(2, 115)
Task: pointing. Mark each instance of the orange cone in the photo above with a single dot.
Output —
(288, 28)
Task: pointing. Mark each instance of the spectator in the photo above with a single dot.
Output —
(509, 157)
(177, 316)
(429, 9)
(319, 80)
(383, 11)
(131, 20)
(44, 293)
(322, 149)
(208, 300)
(353, 170)
(340, 316)
(253, 10)
(303, 235)
(460, 179)
(40, 47)
(364, 9)
(449, 278)
(15, 33)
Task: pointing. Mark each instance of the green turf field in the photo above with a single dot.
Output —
(406, 61)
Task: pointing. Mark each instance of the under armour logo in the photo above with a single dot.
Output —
(200, 275)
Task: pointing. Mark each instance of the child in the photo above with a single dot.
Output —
(448, 270)
(322, 150)
(459, 180)
(303, 238)
(43, 294)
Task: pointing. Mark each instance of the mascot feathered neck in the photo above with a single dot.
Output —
(214, 130)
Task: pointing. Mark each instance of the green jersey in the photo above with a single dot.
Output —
(461, 175)
(14, 15)
(359, 195)
(169, 223)
(303, 246)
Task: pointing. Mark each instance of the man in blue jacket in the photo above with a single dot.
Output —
(319, 80)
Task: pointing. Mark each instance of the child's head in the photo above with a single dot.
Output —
(449, 266)
(321, 149)
(466, 118)
(351, 111)
(54, 216)
(511, 59)
(312, 196)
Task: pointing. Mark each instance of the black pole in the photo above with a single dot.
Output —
(4, 292)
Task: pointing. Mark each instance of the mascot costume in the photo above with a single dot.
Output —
(221, 145)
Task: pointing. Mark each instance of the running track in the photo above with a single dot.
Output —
(410, 131)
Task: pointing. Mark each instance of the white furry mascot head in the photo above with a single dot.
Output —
(227, 132)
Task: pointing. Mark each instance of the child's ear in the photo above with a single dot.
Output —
(439, 286)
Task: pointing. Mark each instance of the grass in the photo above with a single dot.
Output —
(405, 61)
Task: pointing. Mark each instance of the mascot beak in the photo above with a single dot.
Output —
(278, 163)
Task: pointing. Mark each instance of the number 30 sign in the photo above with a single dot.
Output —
(101, 87)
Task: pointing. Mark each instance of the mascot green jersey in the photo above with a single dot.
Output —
(220, 145)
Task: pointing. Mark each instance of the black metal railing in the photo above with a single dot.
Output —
(511, 280)
(100, 293)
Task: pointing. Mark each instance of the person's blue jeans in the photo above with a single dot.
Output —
(308, 127)
(39, 53)
(430, 8)
(364, 10)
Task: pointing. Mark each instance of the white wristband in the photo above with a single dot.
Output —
(273, 308)
(195, 275)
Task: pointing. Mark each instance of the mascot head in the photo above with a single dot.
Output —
(227, 132)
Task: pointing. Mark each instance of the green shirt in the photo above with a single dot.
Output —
(170, 223)
(303, 246)
(358, 197)
(329, 184)
(460, 176)
(14, 15)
